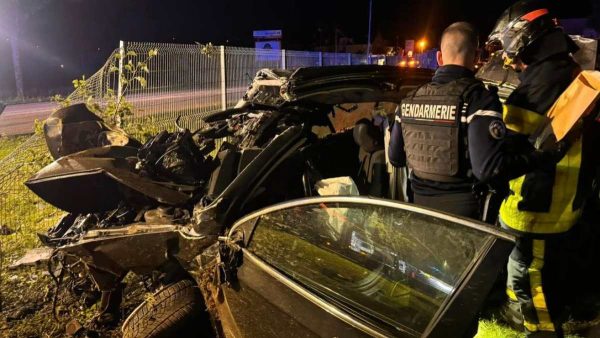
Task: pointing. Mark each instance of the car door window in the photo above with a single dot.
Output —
(383, 263)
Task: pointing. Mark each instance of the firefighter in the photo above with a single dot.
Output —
(544, 204)
(450, 132)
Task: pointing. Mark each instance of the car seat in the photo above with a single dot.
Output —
(373, 177)
(225, 172)
(246, 157)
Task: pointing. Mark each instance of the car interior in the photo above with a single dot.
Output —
(349, 143)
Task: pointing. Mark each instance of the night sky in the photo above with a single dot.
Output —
(80, 34)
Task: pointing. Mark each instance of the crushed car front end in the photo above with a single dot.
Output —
(158, 209)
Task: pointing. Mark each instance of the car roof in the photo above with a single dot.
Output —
(333, 85)
(273, 89)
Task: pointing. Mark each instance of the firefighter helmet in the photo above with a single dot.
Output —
(519, 26)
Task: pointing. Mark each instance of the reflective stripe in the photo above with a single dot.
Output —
(531, 327)
(521, 120)
(489, 113)
(561, 216)
(537, 293)
(534, 14)
(511, 295)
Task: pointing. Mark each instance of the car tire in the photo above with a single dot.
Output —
(174, 311)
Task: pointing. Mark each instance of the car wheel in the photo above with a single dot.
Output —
(176, 310)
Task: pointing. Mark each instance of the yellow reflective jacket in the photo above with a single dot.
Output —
(561, 213)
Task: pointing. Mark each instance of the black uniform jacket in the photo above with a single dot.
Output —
(484, 145)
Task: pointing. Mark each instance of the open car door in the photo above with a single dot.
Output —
(355, 266)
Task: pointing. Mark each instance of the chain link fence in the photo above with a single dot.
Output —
(187, 81)
(22, 213)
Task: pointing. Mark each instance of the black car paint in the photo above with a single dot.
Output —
(287, 310)
(104, 173)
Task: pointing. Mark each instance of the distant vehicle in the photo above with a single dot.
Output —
(244, 231)
(410, 62)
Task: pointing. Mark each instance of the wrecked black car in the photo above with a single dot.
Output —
(275, 217)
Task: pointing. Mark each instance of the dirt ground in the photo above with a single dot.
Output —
(26, 308)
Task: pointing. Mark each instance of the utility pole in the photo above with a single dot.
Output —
(121, 73)
(369, 36)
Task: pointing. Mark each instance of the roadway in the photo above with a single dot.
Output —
(19, 119)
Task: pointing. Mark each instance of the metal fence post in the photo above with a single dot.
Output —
(283, 63)
(119, 82)
(320, 59)
(223, 80)
(349, 59)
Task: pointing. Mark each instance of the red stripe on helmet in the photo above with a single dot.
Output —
(535, 14)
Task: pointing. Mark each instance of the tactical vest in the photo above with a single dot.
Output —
(434, 120)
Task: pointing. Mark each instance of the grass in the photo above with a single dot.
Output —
(20, 209)
(494, 329)
(25, 214)
(9, 143)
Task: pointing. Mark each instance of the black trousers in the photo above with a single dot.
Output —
(462, 204)
(537, 279)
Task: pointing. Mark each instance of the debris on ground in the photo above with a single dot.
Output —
(33, 257)
(28, 307)
(73, 327)
(5, 231)
(23, 312)
(14, 279)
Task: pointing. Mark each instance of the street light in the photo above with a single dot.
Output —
(422, 45)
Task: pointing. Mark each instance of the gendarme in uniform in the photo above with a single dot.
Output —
(449, 133)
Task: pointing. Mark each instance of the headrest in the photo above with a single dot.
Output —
(367, 136)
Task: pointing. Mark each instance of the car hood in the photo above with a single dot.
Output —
(98, 179)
